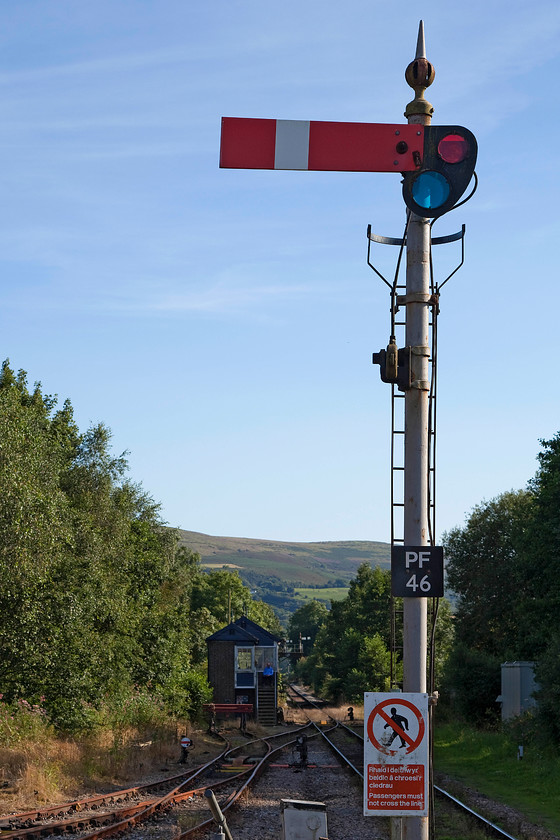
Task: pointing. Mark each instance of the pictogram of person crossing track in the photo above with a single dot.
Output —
(398, 722)
(398, 726)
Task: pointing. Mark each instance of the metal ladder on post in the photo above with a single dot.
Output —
(397, 421)
(397, 486)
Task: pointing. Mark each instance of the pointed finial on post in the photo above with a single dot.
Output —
(420, 44)
(420, 74)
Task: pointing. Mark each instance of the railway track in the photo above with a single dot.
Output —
(248, 781)
(29, 822)
(228, 775)
(353, 757)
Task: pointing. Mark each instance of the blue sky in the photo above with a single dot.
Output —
(221, 322)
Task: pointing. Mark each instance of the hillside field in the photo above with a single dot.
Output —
(274, 570)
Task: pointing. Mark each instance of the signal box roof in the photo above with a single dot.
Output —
(245, 631)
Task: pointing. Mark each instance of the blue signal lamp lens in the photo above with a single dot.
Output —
(430, 190)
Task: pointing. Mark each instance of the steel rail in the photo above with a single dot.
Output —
(255, 775)
(499, 832)
(139, 812)
(341, 755)
(18, 821)
(179, 794)
(134, 813)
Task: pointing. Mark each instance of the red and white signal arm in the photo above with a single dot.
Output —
(321, 146)
(396, 765)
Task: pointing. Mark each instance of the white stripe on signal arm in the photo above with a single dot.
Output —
(292, 144)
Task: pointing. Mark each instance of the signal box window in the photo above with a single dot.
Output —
(244, 667)
(265, 657)
(244, 659)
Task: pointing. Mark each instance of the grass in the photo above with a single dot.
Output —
(487, 761)
(325, 594)
(292, 562)
(128, 737)
(58, 770)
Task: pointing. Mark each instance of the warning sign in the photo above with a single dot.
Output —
(395, 754)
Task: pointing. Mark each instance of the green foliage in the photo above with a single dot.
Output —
(23, 721)
(487, 760)
(443, 640)
(103, 614)
(350, 654)
(224, 595)
(541, 593)
(473, 682)
(306, 622)
(504, 567)
(548, 695)
(485, 568)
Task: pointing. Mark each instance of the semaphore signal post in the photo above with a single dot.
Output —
(437, 165)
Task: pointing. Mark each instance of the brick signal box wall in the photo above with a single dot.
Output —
(243, 667)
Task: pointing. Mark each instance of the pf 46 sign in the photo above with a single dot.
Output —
(417, 571)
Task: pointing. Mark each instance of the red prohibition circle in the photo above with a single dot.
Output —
(378, 710)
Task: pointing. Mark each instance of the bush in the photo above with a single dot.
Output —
(22, 721)
(548, 696)
(473, 682)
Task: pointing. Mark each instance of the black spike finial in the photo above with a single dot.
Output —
(421, 44)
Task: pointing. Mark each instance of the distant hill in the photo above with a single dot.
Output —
(273, 569)
(299, 564)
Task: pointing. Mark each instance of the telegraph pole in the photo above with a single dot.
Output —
(419, 75)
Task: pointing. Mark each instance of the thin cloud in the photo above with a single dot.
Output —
(224, 298)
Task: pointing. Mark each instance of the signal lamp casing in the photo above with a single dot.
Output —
(447, 167)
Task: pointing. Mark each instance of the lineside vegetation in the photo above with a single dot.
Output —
(502, 570)
(104, 617)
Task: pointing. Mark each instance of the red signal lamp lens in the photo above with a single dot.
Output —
(453, 148)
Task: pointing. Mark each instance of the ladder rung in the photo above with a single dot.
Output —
(397, 468)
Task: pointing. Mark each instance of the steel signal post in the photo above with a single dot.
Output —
(419, 75)
(437, 164)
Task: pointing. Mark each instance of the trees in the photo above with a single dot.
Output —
(350, 654)
(306, 622)
(541, 595)
(95, 595)
(224, 595)
(36, 534)
(485, 568)
(503, 565)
